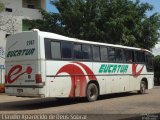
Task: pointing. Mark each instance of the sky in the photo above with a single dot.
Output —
(49, 7)
(155, 3)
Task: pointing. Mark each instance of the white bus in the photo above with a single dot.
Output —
(42, 64)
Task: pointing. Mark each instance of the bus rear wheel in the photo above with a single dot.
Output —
(143, 86)
(92, 92)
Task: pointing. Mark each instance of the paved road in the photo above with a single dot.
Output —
(128, 105)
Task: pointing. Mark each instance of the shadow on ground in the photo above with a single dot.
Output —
(34, 104)
(156, 84)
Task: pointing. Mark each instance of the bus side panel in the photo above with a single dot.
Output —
(150, 81)
(124, 83)
(112, 77)
(68, 79)
(58, 83)
(102, 79)
(140, 73)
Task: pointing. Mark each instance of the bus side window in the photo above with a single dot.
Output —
(119, 55)
(96, 53)
(129, 56)
(139, 56)
(104, 53)
(149, 62)
(86, 50)
(48, 49)
(111, 54)
(66, 48)
(78, 51)
(55, 50)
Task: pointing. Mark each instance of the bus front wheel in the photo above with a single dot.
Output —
(143, 86)
(92, 92)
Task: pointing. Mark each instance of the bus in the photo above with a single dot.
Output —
(42, 64)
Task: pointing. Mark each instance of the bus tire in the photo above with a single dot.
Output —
(143, 86)
(92, 92)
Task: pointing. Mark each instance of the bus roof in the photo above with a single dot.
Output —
(61, 37)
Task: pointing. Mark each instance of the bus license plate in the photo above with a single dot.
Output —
(19, 90)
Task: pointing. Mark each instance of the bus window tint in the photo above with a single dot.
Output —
(86, 50)
(96, 53)
(78, 51)
(48, 49)
(104, 54)
(139, 56)
(111, 54)
(55, 50)
(149, 62)
(66, 49)
(129, 56)
(119, 55)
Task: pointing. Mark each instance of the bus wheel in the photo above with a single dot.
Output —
(92, 92)
(142, 87)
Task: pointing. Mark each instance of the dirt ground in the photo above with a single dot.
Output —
(115, 106)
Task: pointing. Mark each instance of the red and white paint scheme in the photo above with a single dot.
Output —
(41, 64)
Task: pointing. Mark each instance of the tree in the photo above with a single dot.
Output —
(111, 21)
(1, 6)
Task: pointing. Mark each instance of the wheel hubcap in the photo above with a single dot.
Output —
(143, 88)
(92, 92)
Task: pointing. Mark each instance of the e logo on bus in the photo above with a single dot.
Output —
(15, 72)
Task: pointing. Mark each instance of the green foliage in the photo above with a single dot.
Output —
(111, 21)
(1, 6)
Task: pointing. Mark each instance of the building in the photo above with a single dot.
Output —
(12, 21)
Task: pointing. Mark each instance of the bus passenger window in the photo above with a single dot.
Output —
(96, 53)
(119, 55)
(48, 49)
(66, 50)
(129, 56)
(78, 51)
(55, 50)
(86, 49)
(139, 56)
(149, 62)
(111, 54)
(104, 54)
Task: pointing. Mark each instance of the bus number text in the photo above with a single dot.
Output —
(30, 42)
